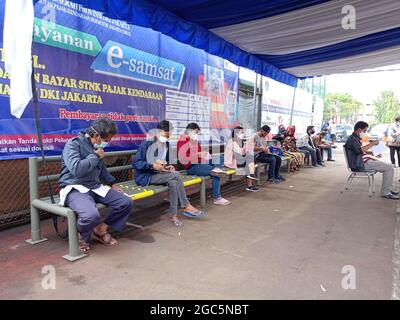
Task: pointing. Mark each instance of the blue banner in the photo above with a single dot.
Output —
(89, 66)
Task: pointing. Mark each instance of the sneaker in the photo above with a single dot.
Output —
(282, 178)
(251, 176)
(217, 170)
(274, 180)
(391, 196)
(331, 160)
(252, 189)
(395, 193)
(222, 202)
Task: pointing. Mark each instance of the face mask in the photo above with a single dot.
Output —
(363, 134)
(163, 139)
(194, 136)
(102, 145)
(241, 136)
(398, 123)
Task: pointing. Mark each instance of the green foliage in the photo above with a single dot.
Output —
(343, 106)
(387, 107)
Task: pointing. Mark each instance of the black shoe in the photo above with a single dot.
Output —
(252, 189)
(251, 176)
(274, 180)
(330, 160)
(281, 178)
(391, 196)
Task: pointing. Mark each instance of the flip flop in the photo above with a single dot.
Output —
(193, 216)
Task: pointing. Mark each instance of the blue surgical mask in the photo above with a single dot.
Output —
(102, 145)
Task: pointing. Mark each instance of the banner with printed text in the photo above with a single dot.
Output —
(89, 66)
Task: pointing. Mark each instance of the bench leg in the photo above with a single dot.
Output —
(203, 193)
(35, 227)
(258, 174)
(73, 242)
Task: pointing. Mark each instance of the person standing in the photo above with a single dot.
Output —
(394, 141)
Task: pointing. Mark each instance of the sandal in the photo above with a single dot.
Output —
(176, 221)
(84, 247)
(105, 239)
(195, 215)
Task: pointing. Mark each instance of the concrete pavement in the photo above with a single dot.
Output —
(288, 241)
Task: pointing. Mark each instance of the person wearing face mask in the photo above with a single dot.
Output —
(394, 141)
(152, 165)
(263, 155)
(359, 159)
(281, 134)
(198, 162)
(82, 171)
(239, 154)
(305, 143)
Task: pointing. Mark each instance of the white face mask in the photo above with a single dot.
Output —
(162, 139)
(241, 136)
(363, 134)
(194, 136)
(398, 123)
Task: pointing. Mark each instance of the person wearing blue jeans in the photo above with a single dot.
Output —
(204, 170)
(197, 162)
(263, 155)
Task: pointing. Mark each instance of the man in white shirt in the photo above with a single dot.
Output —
(305, 143)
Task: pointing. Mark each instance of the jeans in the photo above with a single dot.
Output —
(274, 164)
(84, 205)
(176, 189)
(328, 151)
(394, 150)
(205, 170)
(315, 155)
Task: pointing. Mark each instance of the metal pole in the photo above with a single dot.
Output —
(255, 103)
(36, 236)
(294, 98)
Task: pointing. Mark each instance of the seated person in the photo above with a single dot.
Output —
(151, 165)
(281, 134)
(239, 154)
(263, 155)
(359, 159)
(82, 171)
(290, 149)
(198, 162)
(319, 143)
(305, 143)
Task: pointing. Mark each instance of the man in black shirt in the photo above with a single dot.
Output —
(359, 160)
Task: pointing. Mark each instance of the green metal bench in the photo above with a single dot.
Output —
(130, 188)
